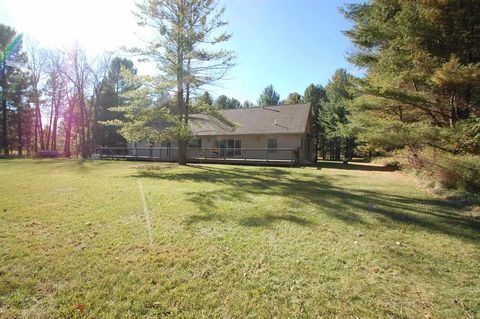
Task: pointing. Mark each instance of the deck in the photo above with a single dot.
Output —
(250, 156)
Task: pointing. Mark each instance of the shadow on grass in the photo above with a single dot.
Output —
(268, 219)
(356, 166)
(240, 184)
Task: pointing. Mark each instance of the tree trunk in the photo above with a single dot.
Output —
(35, 140)
(39, 118)
(50, 121)
(19, 128)
(4, 110)
(4, 126)
(68, 128)
(28, 135)
(55, 121)
(88, 123)
(182, 144)
(82, 126)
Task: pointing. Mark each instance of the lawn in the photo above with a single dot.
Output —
(99, 239)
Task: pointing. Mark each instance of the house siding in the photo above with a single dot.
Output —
(252, 146)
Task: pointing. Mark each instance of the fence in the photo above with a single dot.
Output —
(231, 155)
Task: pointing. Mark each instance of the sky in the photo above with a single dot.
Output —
(286, 43)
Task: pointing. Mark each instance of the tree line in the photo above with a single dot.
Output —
(54, 100)
(67, 102)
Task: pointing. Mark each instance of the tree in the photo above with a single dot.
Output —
(222, 102)
(36, 67)
(294, 98)
(205, 99)
(11, 60)
(148, 112)
(185, 30)
(77, 71)
(268, 97)
(234, 104)
(113, 87)
(315, 95)
(247, 104)
(99, 68)
(338, 136)
(19, 101)
(422, 60)
(55, 92)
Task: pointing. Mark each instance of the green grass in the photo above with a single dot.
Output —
(231, 242)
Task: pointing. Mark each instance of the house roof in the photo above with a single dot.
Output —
(261, 120)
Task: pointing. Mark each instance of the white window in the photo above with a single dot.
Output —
(229, 147)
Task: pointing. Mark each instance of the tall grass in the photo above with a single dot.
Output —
(460, 172)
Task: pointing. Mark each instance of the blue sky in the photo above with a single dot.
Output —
(286, 43)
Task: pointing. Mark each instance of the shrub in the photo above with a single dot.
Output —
(452, 171)
(47, 154)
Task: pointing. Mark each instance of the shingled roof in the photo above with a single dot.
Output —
(261, 120)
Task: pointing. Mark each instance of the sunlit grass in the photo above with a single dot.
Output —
(229, 241)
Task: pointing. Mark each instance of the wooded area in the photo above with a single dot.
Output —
(54, 100)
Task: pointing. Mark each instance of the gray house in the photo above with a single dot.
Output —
(271, 134)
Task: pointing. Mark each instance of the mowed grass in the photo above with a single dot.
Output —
(230, 242)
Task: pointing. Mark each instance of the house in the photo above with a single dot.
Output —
(270, 134)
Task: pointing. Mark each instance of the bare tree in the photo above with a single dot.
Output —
(36, 67)
(56, 89)
(78, 72)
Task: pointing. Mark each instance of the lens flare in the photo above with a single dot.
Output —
(11, 46)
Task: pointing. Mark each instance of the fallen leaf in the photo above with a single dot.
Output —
(81, 307)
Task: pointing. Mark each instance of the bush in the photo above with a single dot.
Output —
(452, 171)
(47, 154)
(467, 172)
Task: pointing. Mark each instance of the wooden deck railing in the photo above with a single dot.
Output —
(230, 155)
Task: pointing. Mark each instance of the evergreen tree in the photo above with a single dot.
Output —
(113, 87)
(11, 75)
(205, 99)
(293, 98)
(268, 97)
(315, 95)
(221, 102)
(422, 61)
(338, 136)
(185, 50)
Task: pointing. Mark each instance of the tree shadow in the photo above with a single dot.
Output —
(357, 166)
(207, 217)
(240, 184)
(268, 219)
